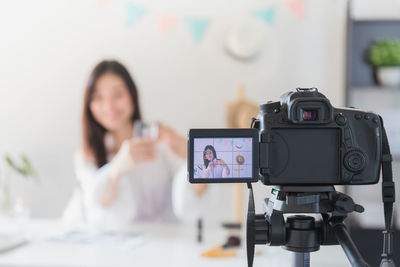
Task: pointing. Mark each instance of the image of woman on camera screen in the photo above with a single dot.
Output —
(124, 178)
(214, 167)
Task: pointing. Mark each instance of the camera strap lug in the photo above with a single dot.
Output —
(273, 107)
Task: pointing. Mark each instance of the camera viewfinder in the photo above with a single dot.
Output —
(310, 115)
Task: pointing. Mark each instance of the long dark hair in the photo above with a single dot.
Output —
(206, 161)
(93, 132)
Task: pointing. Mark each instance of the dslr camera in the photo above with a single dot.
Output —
(303, 146)
(299, 140)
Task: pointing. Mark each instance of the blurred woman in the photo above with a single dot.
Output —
(124, 179)
(213, 166)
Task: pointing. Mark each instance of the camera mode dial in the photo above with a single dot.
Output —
(355, 160)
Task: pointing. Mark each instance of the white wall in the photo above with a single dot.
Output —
(47, 49)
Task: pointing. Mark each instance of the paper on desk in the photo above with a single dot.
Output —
(122, 240)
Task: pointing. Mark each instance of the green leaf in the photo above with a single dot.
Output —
(385, 53)
(26, 170)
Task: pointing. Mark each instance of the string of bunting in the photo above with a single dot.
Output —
(197, 26)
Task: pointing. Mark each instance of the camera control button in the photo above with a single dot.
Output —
(340, 119)
(355, 160)
(367, 116)
(375, 120)
(358, 116)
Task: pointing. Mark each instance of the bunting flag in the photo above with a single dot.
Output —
(266, 14)
(134, 13)
(102, 3)
(296, 7)
(166, 23)
(197, 27)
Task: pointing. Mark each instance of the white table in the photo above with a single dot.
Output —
(164, 245)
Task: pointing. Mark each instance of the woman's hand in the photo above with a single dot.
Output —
(223, 164)
(131, 153)
(177, 143)
(212, 164)
(142, 150)
(216, 163)
(220, 162)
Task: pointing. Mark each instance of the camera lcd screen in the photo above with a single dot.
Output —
(305, 155)
(222, 156)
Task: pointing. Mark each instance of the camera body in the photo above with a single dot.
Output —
(302, 140)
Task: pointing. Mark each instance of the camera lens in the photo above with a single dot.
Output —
(309, 115)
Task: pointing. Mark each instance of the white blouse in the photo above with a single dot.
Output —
(214, 172)
(144, 193)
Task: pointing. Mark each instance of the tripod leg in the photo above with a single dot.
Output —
(352, 253)
(301, 259)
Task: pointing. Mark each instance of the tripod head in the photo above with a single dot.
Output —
(302, 233)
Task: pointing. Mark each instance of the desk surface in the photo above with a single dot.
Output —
(163, 245)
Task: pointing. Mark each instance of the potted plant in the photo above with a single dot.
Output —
(384, 55)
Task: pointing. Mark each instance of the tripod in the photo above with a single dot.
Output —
(303, 234)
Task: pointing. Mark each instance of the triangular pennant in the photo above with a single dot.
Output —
(197, 27)
(166, 22)
(102, 3)
(134, 13)
(297, 7)
(266, 14)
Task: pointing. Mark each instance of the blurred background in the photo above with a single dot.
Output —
(177, 54)
(188, 59)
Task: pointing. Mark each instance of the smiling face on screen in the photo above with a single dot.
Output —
(208, 154)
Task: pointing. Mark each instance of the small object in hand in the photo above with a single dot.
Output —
(143, 130)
